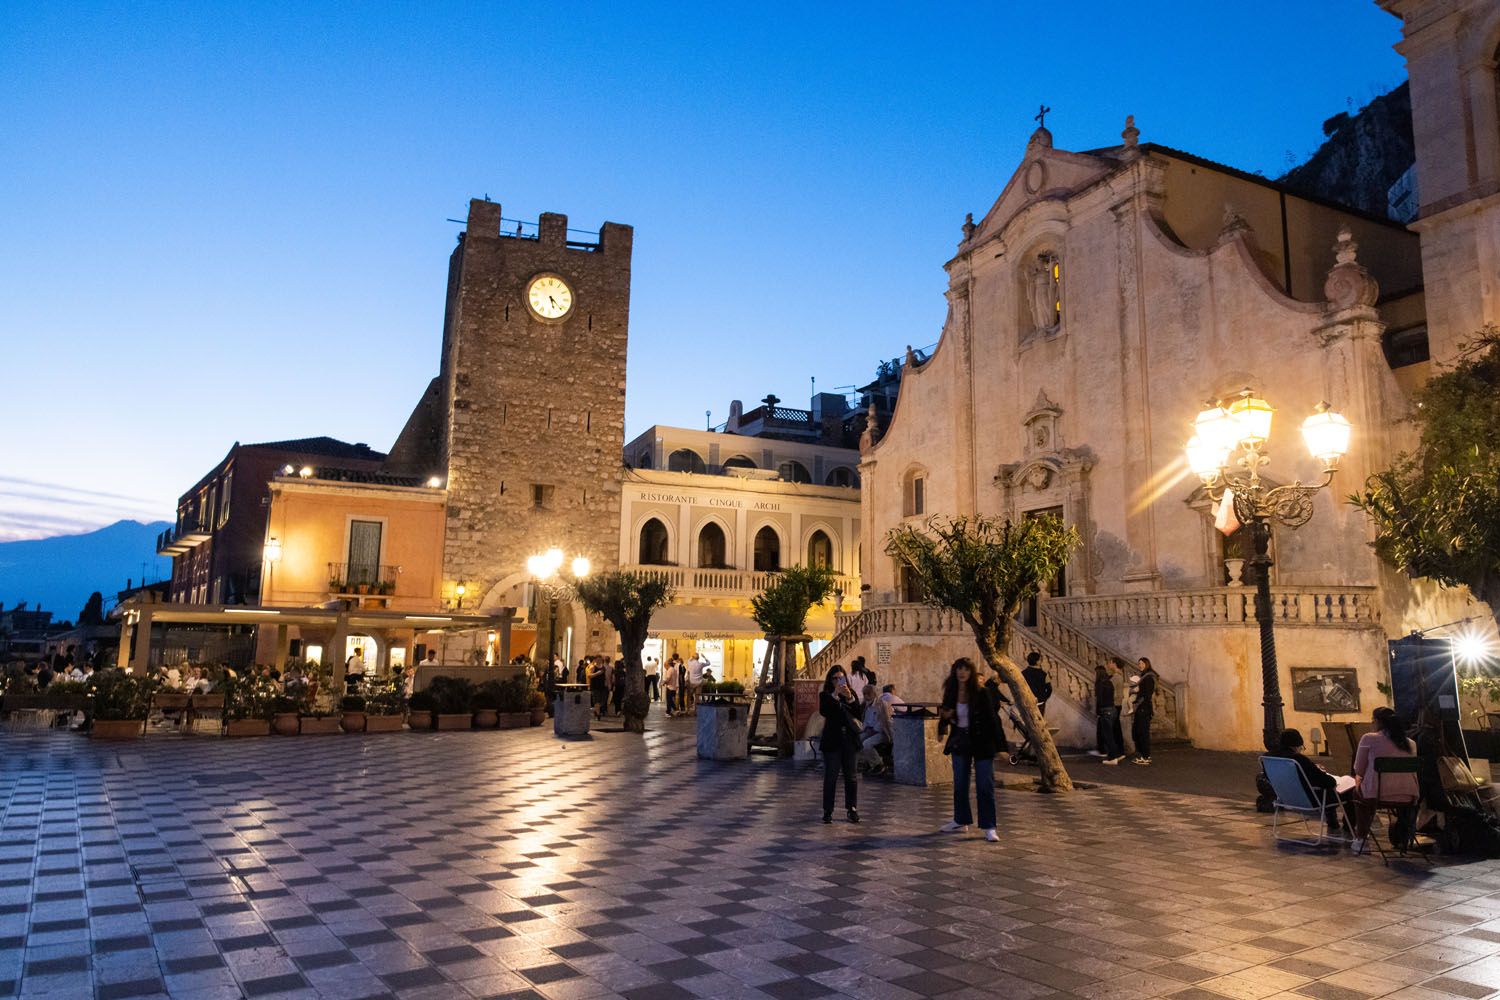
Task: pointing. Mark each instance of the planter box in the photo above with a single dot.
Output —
(917, 751)
(486, 718)
(571, 712)
(286, 724)
(514, 720)
(723, 730)
(314, 726)
(383, 723)
(463, 721)
(117, 729)
(539, 715)
(419, 721)
(355, 722)
(45, 702)
(247, 727)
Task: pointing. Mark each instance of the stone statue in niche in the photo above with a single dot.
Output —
(1039, 435)
(1044, 292)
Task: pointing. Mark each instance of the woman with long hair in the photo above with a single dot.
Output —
(971, 709)
(1388, 740)
(840, 741)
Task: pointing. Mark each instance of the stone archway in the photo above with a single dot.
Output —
(510, 594)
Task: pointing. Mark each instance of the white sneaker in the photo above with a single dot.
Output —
(1357, 845)
(1111, 762)
(992, 836)
(952, 827)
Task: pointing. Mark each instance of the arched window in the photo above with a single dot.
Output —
(767, 550)
(739, 462)
(842, 475)
(653, 543)
(914, 493)
(685, 460)
(820, 551)
(711, 547)
(795, 472)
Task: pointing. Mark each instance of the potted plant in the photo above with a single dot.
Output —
(353, 718)
(420, 708)
(452, 702)
(486, 705)
(335, 586)
(515, 703)
(364, 588)
(120, 704)
(286, 712)
(538, 702)
(386, 703)
(723, 731)
(247, 704)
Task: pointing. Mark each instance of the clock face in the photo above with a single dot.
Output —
(549, 296)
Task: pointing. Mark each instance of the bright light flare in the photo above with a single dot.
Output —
(1473, 649)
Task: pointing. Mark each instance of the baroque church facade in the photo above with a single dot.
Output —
(1093, 310)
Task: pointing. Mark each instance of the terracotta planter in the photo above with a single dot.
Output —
(353, 722)
(538, 715)
(117, 729)
(313, 725)
(462, 721)
(285, 724)
(419, 721)
(485, 718)
(382, 723)
(247, 727)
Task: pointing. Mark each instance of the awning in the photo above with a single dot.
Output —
(704, 621)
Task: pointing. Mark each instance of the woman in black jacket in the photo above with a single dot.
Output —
(972, 710)
(840, 741)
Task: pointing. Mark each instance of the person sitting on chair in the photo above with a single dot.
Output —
(1388, 740)
(1290, 746)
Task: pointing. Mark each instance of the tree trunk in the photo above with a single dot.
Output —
(635, 680)
(1054, 775)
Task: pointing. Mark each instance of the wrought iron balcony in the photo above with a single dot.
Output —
(346, 579)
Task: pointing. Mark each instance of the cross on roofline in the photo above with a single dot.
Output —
(1041, 115)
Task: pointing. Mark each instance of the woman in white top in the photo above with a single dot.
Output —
(1388, 740)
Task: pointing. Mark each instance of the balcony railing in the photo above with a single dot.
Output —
(728, 583)
(362, 578)
(180, 538)
(1325, 607)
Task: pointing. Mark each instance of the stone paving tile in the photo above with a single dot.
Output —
(512, 864)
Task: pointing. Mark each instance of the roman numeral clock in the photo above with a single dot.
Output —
(549, 297)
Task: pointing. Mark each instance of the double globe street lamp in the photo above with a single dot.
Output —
(1228, 452)
(544, 568)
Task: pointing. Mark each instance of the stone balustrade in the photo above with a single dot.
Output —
(692, 581)
(1318, 607)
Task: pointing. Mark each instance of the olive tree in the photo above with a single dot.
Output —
(627, 601)
(984, 568)
(1436, 511)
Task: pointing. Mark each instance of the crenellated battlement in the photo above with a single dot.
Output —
(487, 219)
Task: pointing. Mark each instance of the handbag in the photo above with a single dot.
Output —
(958, 742)
(1456, 777)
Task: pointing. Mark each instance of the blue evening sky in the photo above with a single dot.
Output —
(224, 223)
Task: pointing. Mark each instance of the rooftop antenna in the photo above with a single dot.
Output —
(708, 417)
(814, 387)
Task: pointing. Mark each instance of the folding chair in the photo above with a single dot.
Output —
(1392, 807)
(1293, 795)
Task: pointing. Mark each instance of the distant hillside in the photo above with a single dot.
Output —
(58, 574)
(1363, 156)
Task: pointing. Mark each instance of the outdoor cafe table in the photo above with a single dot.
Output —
(916, 751)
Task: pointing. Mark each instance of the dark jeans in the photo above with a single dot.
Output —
(1108, 732)
(836, 760)
(1140, 732)
(653, 687)
(671, 701)
(984, 790)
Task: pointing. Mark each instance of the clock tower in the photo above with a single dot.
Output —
(531, 398)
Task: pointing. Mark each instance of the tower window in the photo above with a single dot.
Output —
(541, 496)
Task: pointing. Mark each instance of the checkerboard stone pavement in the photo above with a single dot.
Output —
(512, 864)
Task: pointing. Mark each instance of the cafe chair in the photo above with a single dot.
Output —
(1394, 807)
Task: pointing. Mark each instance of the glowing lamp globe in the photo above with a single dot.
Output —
(1215, 428)
(1252, 419)
(581, 567)
(1205, 459)
(1327, 435)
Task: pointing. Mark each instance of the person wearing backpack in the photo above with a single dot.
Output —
(1036, 679)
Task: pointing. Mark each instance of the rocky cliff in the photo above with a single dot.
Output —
(1364, 155)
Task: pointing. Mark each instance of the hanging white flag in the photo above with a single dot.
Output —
(1224, 518)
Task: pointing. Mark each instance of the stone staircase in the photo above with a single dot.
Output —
(1068, 654)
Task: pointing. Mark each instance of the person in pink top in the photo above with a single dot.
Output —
(1388, 740)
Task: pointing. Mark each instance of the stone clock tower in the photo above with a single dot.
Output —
(531, 399)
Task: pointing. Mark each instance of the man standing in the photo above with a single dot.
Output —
(674, 684)
(1140, 726)
(695, 668)
(653, 679)
(1036, 679)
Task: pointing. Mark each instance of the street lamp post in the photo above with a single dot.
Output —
(544, 568)
(1228, 453)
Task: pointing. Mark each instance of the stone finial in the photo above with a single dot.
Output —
(1234, 223)
(1131, 135)
(969, 226)
(871, 433)
(911, 357)
(1041, 138)
(1349, 284)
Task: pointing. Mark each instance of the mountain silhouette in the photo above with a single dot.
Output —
(57, 574)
